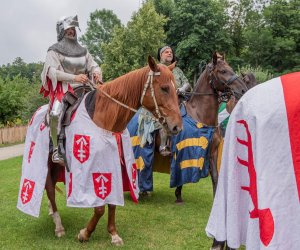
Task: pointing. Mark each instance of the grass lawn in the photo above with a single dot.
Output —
(155, 223)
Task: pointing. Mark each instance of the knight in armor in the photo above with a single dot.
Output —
(166, 56)
(68, 66)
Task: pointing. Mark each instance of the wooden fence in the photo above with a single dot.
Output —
(12, 134)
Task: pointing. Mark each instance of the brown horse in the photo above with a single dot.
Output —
(111, 109)
(217, 82)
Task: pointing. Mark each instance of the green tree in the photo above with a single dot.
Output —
(273, 37)
(166, 8)
(30, 71)
(283, 20)
(130, 46)
(12, 98)
(99, 31)
(196, 30)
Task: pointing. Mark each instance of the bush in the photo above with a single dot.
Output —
(261, 75)
(18, 100)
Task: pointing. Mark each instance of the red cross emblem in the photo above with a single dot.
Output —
(27, 191)
(102, 184)
(81, 147)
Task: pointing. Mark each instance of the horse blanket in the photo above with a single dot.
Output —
(102, 164)
(34, 165)
(190, 150)
(257, 203)
(144, 155)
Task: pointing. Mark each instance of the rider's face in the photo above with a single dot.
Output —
(70, 32)
(166, 56)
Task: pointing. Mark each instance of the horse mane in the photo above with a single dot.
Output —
(220, 59)
(126, 89)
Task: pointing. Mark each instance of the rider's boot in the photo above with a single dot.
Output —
(164, 149)
(54, 131)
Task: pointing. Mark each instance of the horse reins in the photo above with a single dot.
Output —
(213, 79)
(149, 83)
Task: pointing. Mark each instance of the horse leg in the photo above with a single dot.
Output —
(213, 159)
(179, 199)
(50, 190)
(111, 226)
(217, 245)
(85, 233)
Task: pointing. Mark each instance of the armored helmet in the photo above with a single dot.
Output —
(66, 23)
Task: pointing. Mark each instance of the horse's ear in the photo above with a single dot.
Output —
(152, 64)
(215, 58)
(172, 66)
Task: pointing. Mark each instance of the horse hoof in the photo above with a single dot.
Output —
(60, 232)
(83, 236)
(116, 240)
(145, 194)
(179, 202)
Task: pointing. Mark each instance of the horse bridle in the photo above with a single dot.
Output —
(223, 96)
(149, 84)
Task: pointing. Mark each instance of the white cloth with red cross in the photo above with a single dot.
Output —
(34, 165)
(96, 176)
(257, 203)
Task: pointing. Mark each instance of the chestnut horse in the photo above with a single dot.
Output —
(111, 109)
(217, 82)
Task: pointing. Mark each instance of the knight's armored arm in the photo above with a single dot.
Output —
(93, 67)
(63, 76)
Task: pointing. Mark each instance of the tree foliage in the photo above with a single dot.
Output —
(99, 31)
(262, 36)
(196, 30)
(19, 98)
(29, 71)
(131, 44)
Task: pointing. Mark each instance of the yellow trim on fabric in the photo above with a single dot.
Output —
(140, 163)
(220, 152)
(199, 125)
(192, 163)
(135, 141)
(200, 142)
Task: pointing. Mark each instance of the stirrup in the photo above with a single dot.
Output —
(57, 158)
(164, 150)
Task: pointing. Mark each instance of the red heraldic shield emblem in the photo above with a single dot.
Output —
(102, 184)
(81, 147)
(27, 191)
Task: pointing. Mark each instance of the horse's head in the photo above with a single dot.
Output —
(159, 96)
(249, 79)
(223, 79)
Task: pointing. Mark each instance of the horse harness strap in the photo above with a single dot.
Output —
(161, 119)
(149, 83)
